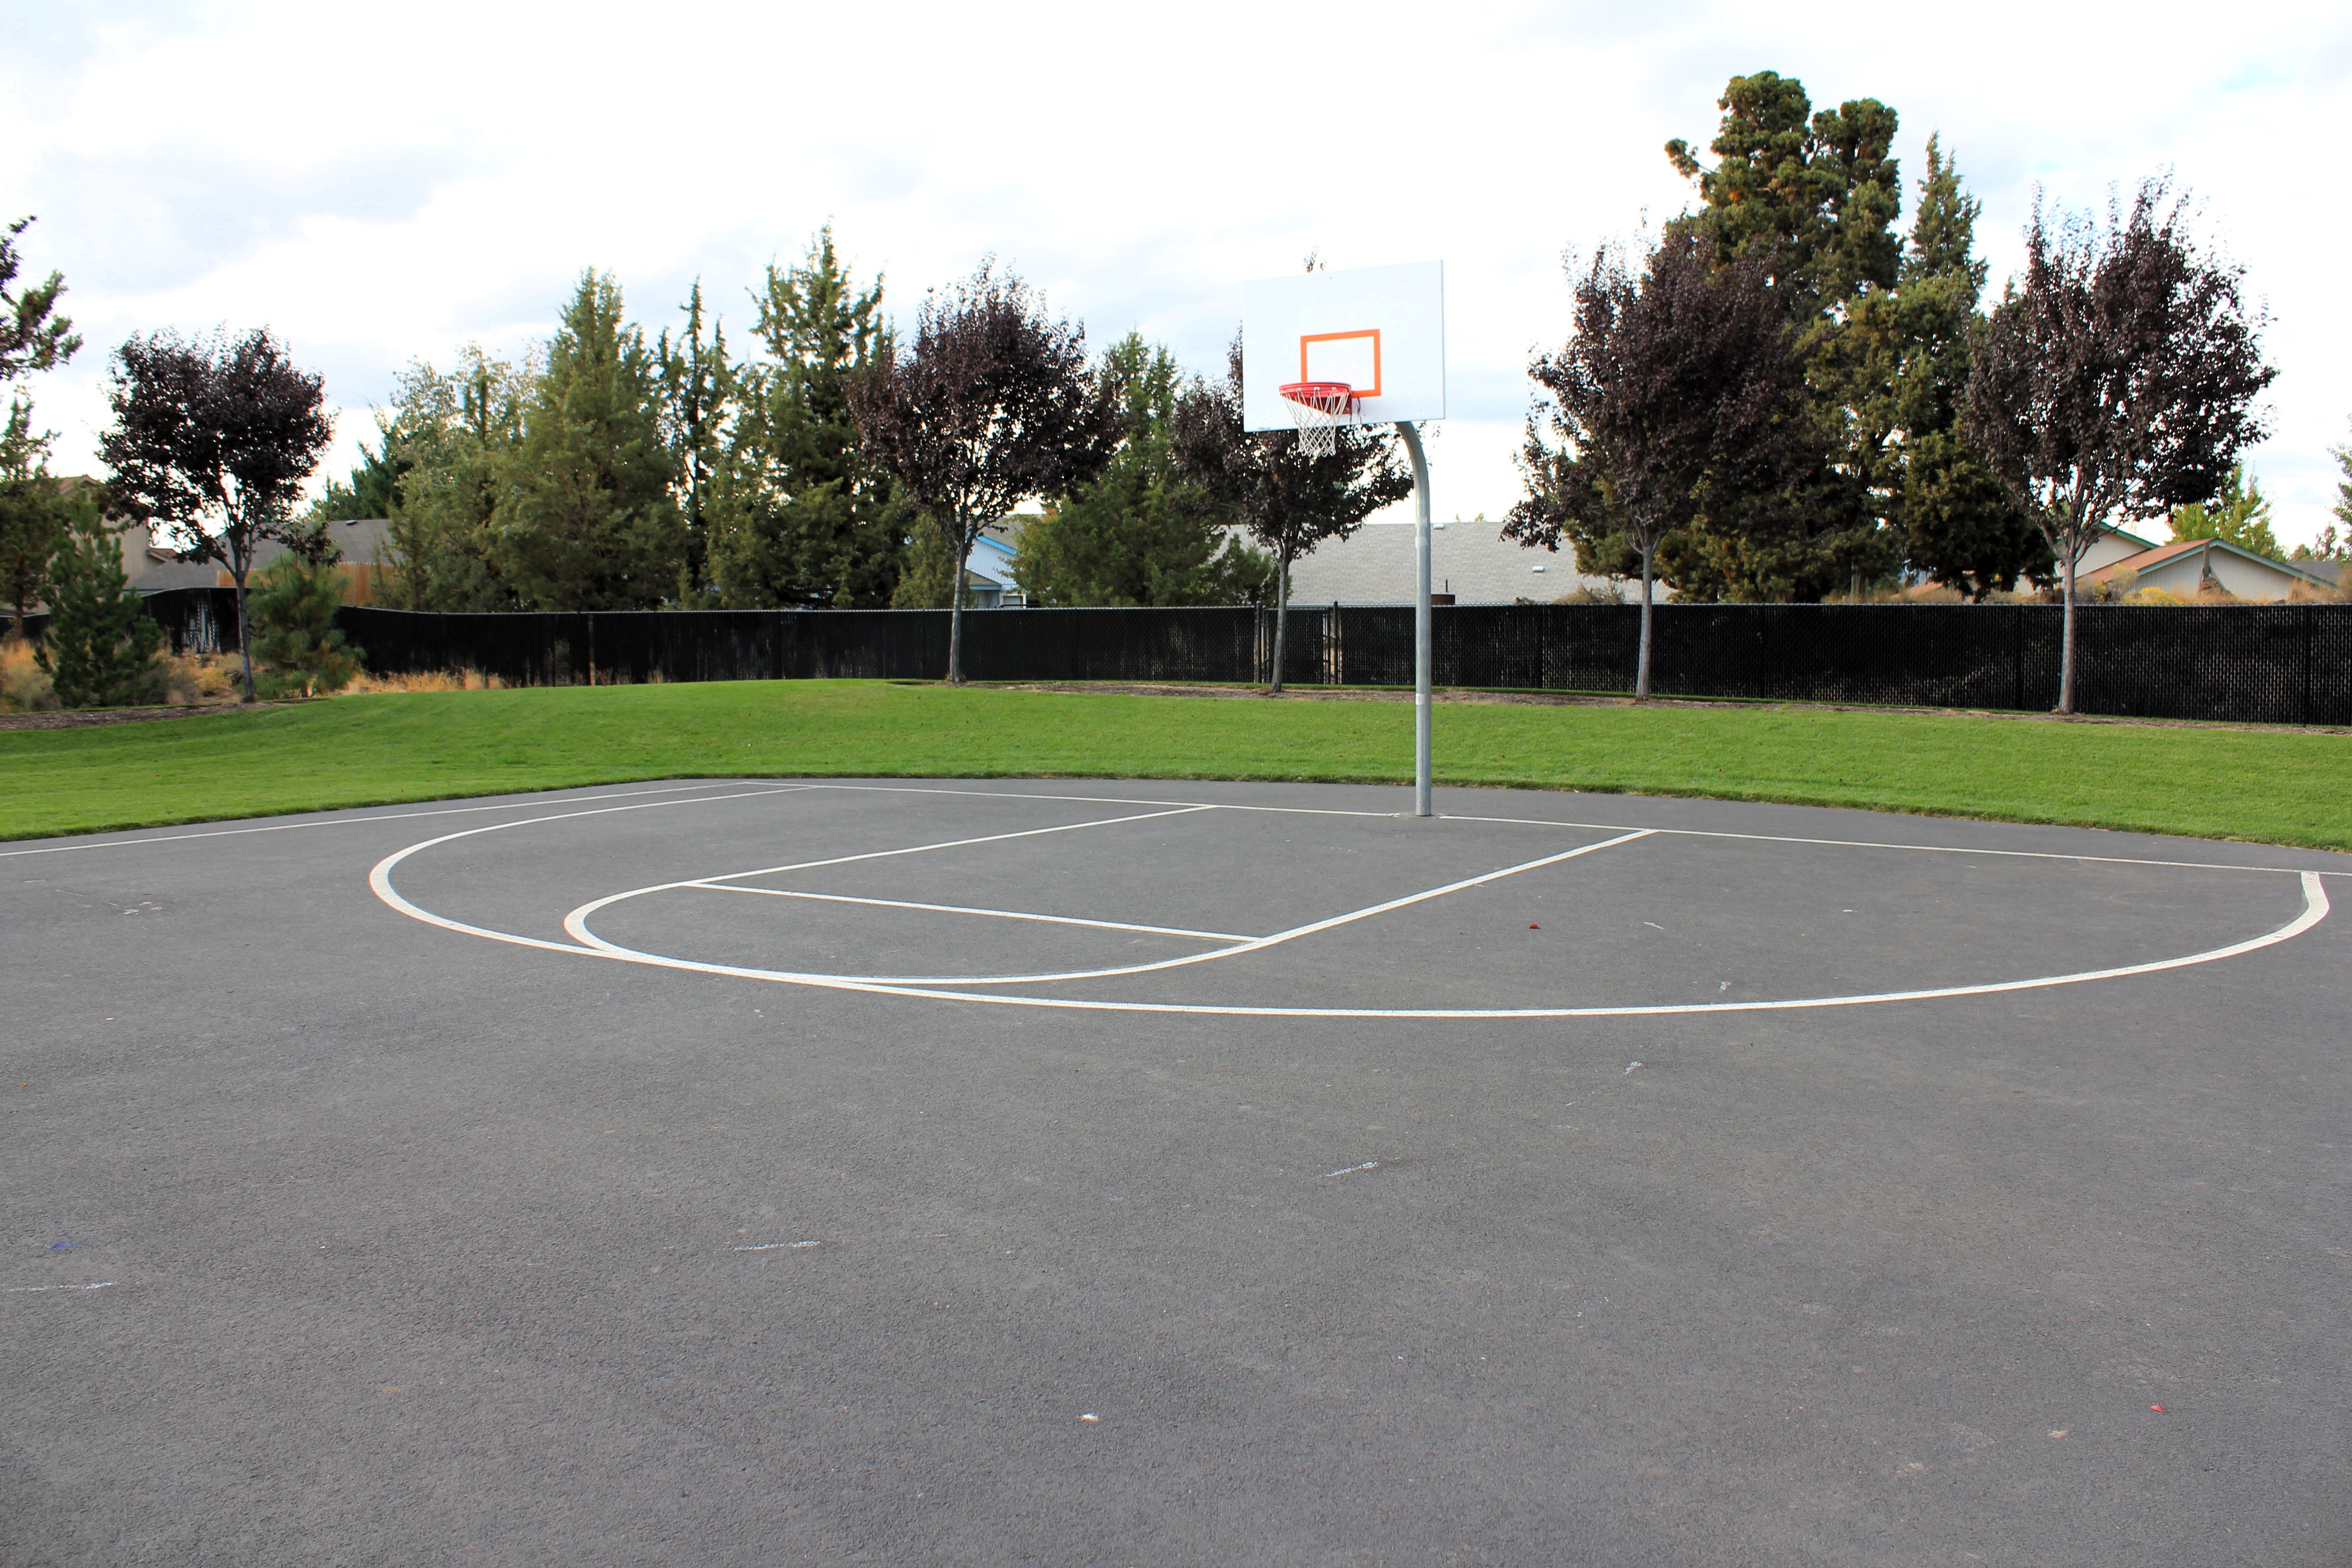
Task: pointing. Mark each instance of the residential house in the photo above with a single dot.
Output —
(2188, 567)
(1468, 559)
(154, 567)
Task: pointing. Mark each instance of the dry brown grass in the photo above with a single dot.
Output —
(24, 685)
(431, 680)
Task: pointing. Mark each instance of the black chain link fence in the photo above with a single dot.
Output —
(2270, 664)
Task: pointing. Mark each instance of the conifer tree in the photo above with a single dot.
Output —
(1898, 374)
(452, 438)
(1814, 198)
(34, 513)
(1138, 533)
(2239, 515)
(700, 389)
(585, 518)
(810, 519)
(294, 616)
(101, 648)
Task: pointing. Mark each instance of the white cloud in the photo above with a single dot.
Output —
(383, 186)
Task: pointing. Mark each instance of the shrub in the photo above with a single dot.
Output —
(24, 686)
(102, 650)
(294, 628)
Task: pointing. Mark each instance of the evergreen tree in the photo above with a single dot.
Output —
(1813, 197)
(34, 514)
(1138, 533)
(294, 616)
(33, 336)
(2343, 506)
(452, 438)
(2239, 515)
(808, 517)
(585, 518)
(1903, 368)
(373, 490)
(101, 649)
(700, 389)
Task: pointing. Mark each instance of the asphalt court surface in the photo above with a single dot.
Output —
(871, 1171)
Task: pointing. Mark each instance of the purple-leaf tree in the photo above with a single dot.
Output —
(1285, 500)
(2118, 382)
(213, 439)
(990, 405)
(1680, 386)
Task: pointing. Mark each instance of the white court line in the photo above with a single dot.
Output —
(345, 821)
(962, 909)
(915, 849)
(2315, 908)
(380, 875)
(1623, 826)
(576, 923)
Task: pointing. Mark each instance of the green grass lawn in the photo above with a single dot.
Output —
(2273, 786)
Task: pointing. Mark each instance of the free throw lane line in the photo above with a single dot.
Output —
(576, 923)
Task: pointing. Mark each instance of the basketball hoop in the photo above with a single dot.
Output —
(1318, 408)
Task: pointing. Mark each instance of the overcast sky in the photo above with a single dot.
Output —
(381, 183)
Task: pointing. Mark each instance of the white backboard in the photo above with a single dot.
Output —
(1382, 329)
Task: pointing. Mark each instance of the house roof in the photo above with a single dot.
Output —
(2156, 555)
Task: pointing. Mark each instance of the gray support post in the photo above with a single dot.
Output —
(1421, 630)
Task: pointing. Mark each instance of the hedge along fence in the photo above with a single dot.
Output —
(2277, 664)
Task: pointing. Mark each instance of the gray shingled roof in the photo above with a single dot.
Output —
(1376, 567)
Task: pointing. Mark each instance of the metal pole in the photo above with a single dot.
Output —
(1421, 635)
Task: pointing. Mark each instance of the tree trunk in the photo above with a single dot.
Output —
(244, 637)
(955, 612)
(1281, 615)
(1642, 665)
(2066, 640)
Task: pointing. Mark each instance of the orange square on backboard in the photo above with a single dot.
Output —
(1306, 341)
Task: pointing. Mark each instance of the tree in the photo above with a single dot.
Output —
(373, 490)
(33, 510)
(1138, 533)
(699, 390)
(810, 518)
(1260, 481)
(1680, 395)
(2120, 380)
(585, 518)
(1812, 197)
(213, 439)
(33, 336)
(991, 405)
(34, 514)
(2239, 515)
(1898, 372)
(102, 645)
(452, 438)
(295, 611)
(2342, 507)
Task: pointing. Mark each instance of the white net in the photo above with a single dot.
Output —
(1318, 408)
